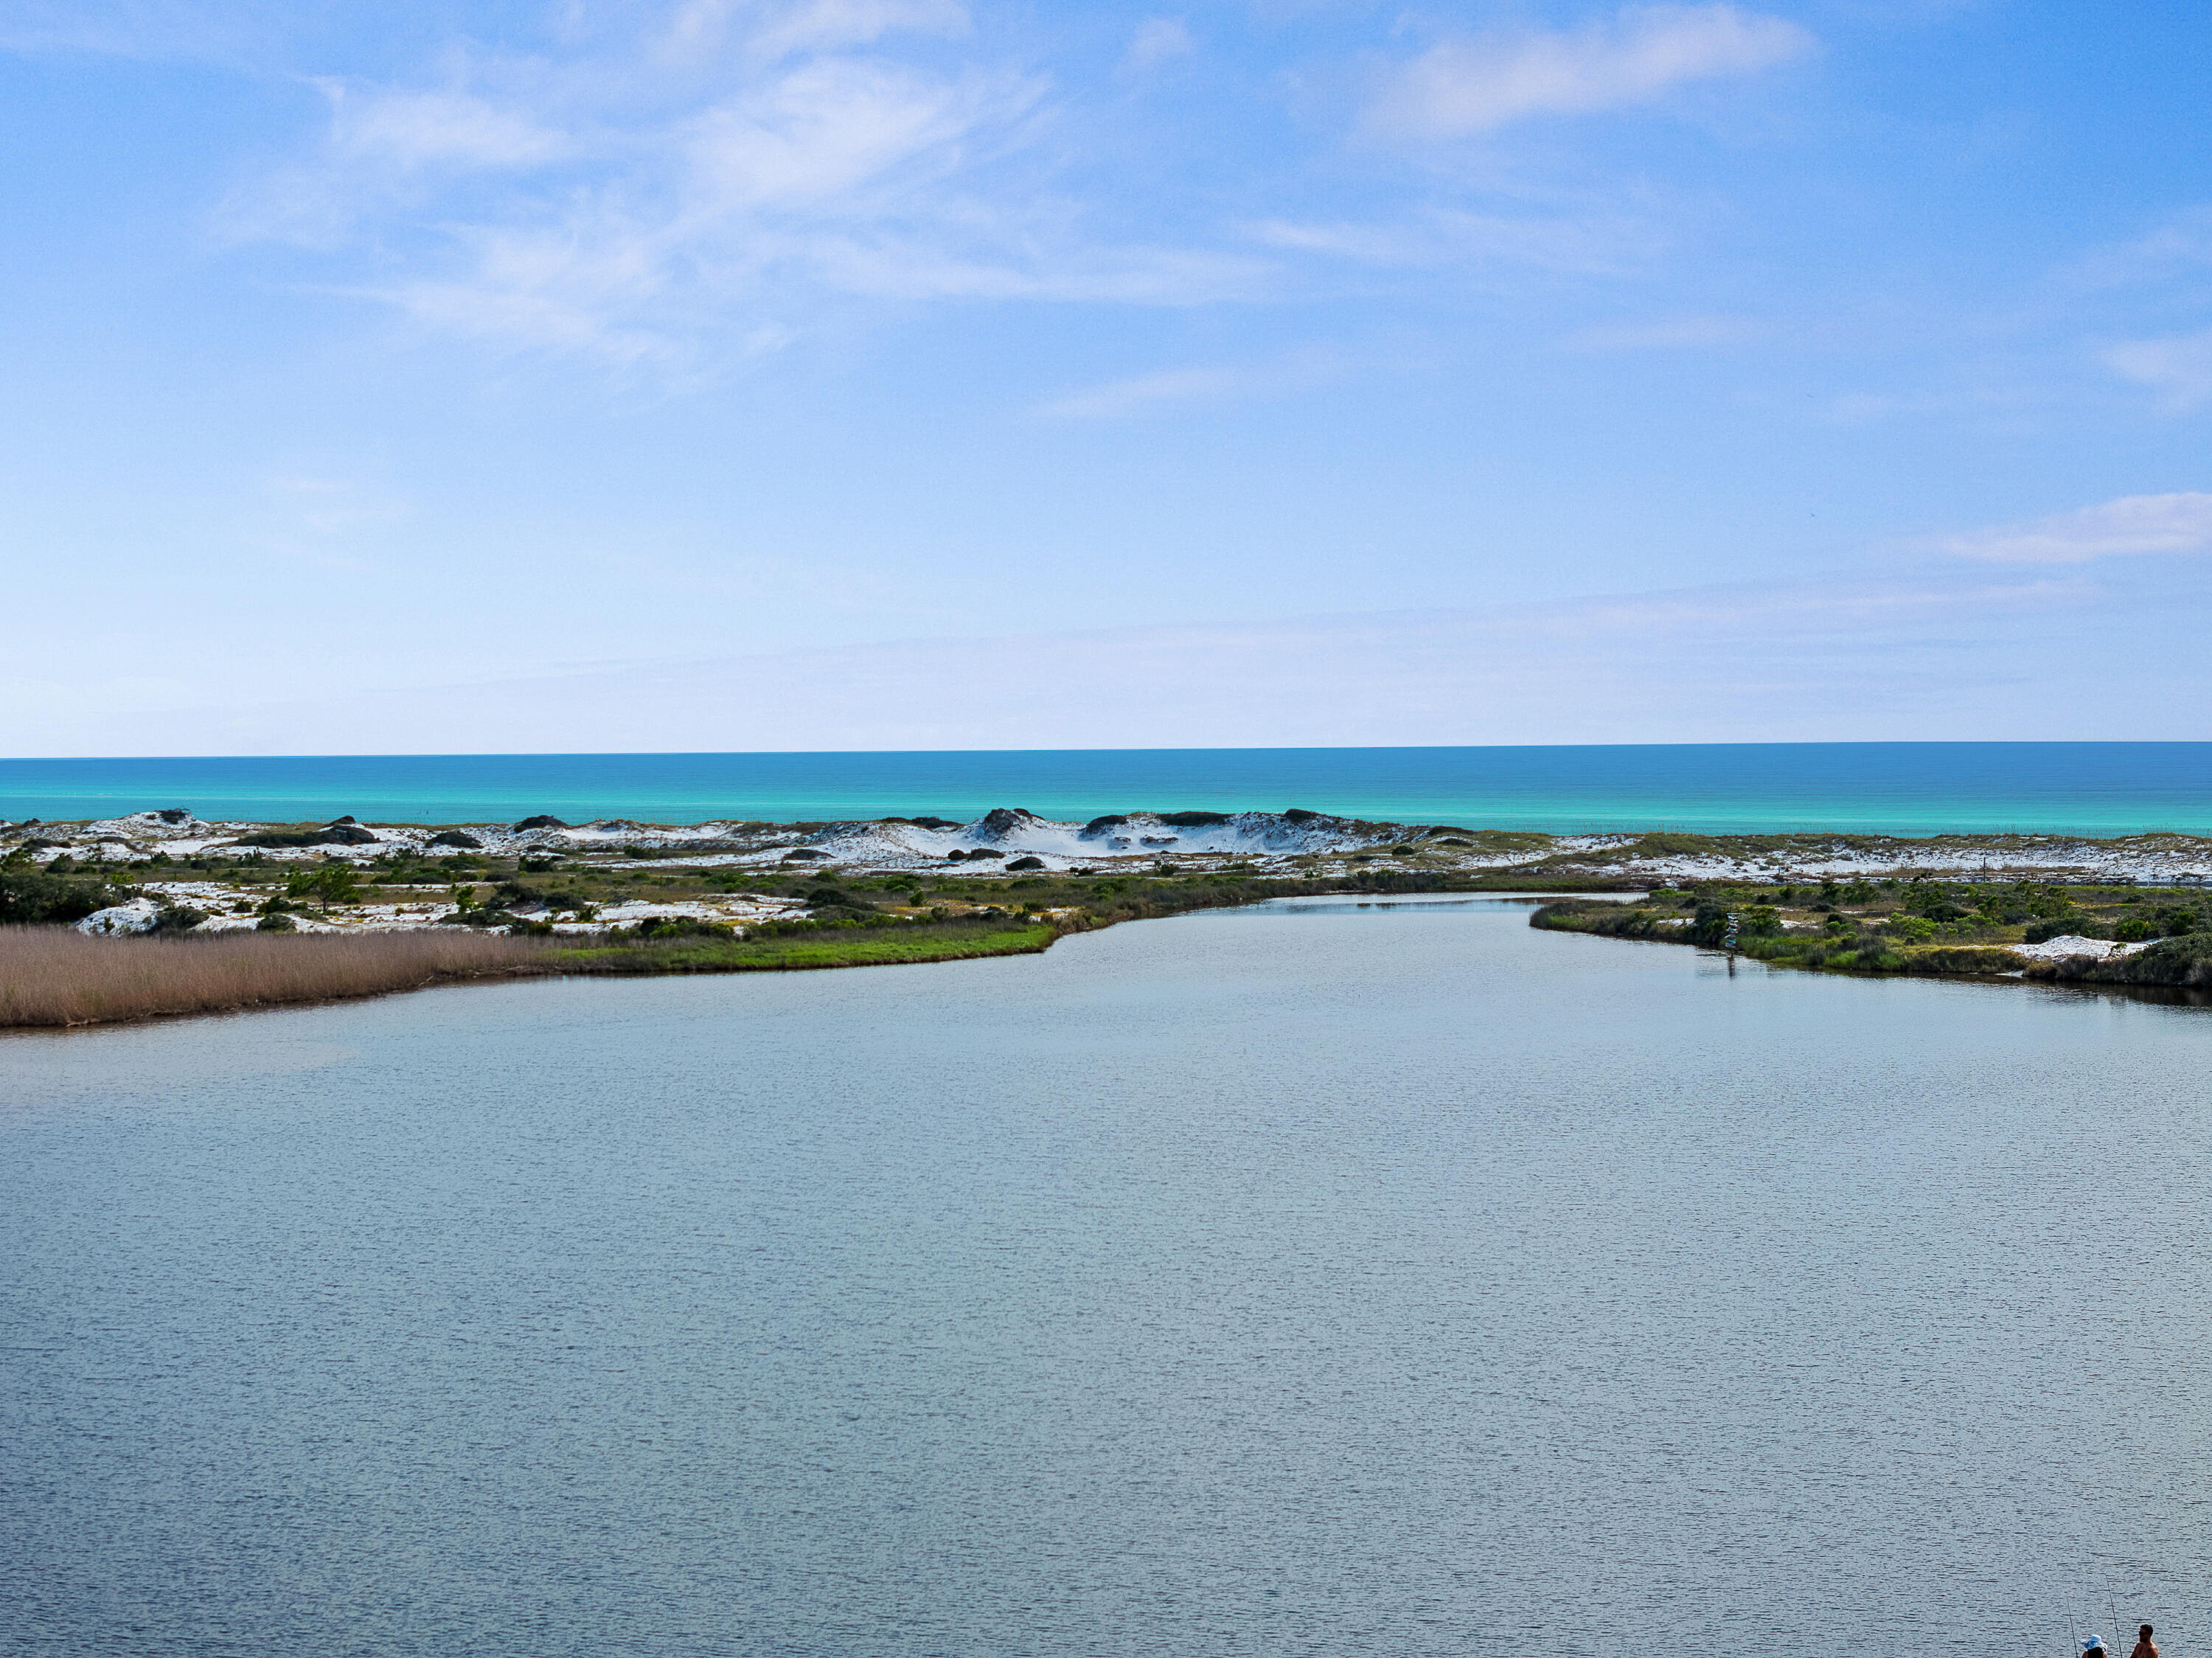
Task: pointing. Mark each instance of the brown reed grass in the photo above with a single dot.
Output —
(56, 975)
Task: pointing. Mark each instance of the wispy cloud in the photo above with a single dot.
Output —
(2133, 524)
(1156, 40)
(1462, 87)
(2180, 367)
(830, 25)
(2180, 246)
(1594, 243)
(1165, 388)
(708, 179)
(425, 128)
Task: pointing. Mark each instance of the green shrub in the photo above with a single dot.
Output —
(37, 896)
(2186, 961)
(326, 883)
(509, 893)
(1709, 925)
(1922, 897)
(678, 927)
(278, 923)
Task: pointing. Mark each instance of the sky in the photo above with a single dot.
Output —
(751, 375)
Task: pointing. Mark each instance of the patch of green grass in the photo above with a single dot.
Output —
(827, 947)
(1668, 844)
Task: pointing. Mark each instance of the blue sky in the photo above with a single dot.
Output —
(915, 373)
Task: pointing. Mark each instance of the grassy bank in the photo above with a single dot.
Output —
(828, 946)
(1853, 954)
(56, 977)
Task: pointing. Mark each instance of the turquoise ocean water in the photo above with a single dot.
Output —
(1908, 789)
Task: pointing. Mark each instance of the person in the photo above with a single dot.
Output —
(2144, 1648)
(2094, 1648)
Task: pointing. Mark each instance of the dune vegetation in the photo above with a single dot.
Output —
(1923, 926)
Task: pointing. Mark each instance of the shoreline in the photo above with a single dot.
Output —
(617, 897)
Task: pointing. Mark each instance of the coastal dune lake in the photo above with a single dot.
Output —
(1323, 1277)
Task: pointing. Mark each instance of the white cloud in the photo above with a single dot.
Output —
(2181, 368)
(702, 32)
(832, 25)
(664, 195)
(1163, 389)
(827, 127)
(2181, 246)
(1156, 40)
(2133, 524)
(1142, 392)
(1592, 243)
(1458, 88)
(422, 129)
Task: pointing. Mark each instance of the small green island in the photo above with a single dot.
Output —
(158, 914)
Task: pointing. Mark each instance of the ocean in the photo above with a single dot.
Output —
(1898, 789)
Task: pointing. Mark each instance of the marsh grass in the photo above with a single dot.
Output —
(53, 977)
(830, 947)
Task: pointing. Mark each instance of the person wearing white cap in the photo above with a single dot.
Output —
(2094, 1648)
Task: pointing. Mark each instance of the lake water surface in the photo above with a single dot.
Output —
(1323, 1278)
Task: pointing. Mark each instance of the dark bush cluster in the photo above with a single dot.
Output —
(35, 896)
(680, 926)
